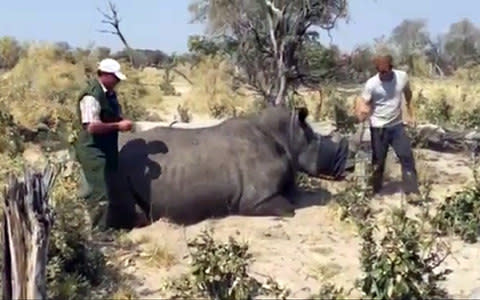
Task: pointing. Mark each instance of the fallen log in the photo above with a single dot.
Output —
(445, 140)
(27, 220)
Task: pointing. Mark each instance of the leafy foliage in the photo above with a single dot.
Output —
(460, 213)
(11, 140)
(402, 265)
(469, 118)
(438, 112)
(75, 265)
(220, 271)
(329, 291)
(10, 52)
(354, 201)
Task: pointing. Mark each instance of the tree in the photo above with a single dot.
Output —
(462, 42)
(112, 18)
(410, 37)
(269, 35)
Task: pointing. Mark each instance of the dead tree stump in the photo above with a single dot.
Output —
(27, 220)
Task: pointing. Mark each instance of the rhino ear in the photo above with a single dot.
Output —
(302, 113)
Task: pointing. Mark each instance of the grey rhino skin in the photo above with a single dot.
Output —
(242, 166)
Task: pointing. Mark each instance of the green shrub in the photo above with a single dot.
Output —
(438, 112)
(330, 291)
(402, 265)
(354, 201)
(460, 213)
(11, 141)
(469, 118)
(10, 52)
(166, 85)
(75, 264)
(219, 271)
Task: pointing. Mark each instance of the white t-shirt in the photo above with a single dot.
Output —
(386, 99)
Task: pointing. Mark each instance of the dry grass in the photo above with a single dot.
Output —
(158, 256)
(213, 89)
(151, 253)
(325, 272)
(124, 293)
(461, 95)
(44, 85)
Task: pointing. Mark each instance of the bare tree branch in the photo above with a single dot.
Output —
(112, 18)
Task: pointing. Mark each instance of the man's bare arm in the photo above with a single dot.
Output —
(407, 91)
(362, 104)
(90, 113)
(98, 127)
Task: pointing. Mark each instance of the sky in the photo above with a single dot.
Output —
(165, 24)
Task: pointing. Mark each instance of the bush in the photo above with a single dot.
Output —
(354, 201)
(75, 264)
(402, 265)
(166, 84)
(11, 142)
(439, 112)
(329, 291)
(460, 214)
(469, 118)
(10, 52)
(219, 271)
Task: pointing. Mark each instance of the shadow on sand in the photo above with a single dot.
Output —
(306, 198)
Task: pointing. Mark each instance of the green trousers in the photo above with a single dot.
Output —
(94, 187)
(106, 203)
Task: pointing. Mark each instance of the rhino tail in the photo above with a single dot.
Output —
(173, 123)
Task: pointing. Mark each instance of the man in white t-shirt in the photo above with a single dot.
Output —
(381, 101)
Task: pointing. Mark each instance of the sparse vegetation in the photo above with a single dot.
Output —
(75, 265)
(39, 85)
(354, 201)
(460, 213)
(403, 263)
(220, 271)
(329, 291)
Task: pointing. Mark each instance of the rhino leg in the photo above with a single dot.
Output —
(277, 206)
(121, 208)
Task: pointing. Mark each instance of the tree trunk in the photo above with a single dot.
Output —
(26, 227)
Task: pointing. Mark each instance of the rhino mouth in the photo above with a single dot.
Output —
(334, 159)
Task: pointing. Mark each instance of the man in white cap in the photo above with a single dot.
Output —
(101, 119)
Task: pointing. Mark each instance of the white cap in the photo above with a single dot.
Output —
(109, 65)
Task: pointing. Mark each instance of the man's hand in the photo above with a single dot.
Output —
(362, 109)
(408, 99)
(125, 125)
(411, 122)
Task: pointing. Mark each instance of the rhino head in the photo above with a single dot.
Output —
(311, 153)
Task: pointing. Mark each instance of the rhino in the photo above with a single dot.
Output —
(241, 166)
